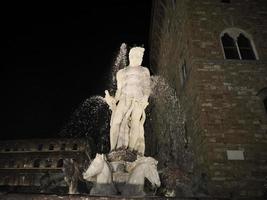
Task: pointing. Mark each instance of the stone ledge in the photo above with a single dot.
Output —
(24, 196)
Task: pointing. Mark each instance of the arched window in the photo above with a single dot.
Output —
(11, 164)
(40, 147)
(265, 104)
(60, 163)
(238, 45)
(245, 48)
(229, 47)
(183, 73)
(263, 95)
(48, 163)
(75, 147)
(6, 180)
(63, 147)
(51, 147)
(36, 163)
(7, 149)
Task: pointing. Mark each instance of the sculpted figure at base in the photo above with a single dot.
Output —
(100, 174)
(128, 105)
(72, 175)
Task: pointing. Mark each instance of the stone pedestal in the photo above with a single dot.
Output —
(127, 180)
(120, 176)
(122, 172)
(118, 160)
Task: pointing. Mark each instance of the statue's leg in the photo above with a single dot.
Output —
(135, 125)
(140, 143)
(123, 138)
(120, 111)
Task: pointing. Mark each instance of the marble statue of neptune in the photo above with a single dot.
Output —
(128, 105)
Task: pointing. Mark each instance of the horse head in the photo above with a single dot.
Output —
(145, 167)
(151, 172)
(95, 167)
(100, 174)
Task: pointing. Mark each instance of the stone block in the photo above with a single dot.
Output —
(235, 155)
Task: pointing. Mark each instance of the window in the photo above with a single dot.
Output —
(11, 164)
(6, 180)
(230, 50)
(237, 45)
(265, 104)
(60, 163)
(75, 147)
(48, 163)
(36, 163)
(22, 179)
(183, 73)
(185, 136)
(63, 147)
(51, 147)
(263, 96)
(245, 48)
(184, 70)
(40, 147)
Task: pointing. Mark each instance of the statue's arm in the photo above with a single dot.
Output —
(110, 100)
(146, 88)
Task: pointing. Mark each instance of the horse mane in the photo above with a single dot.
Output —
(141, 160)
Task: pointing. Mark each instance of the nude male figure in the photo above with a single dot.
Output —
(128, 105)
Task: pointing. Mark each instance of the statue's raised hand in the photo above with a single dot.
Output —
(110, 100)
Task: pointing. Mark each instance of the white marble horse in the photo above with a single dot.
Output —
(143, 167)
(99, 172)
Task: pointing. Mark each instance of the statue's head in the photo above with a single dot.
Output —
(136, 56)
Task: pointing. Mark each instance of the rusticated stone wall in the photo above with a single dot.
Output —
(23, 163)
(226, 121)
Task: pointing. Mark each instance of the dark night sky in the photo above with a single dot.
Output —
(56, 56)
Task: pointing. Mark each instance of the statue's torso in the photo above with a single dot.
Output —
(132, 82)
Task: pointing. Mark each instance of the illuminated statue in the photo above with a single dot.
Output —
(124, 169)
(128, 105)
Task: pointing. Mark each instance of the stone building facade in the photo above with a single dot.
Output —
(214, 54)
(29, 165)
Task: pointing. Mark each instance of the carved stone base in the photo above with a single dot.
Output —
(133, 190)
(122, 163)
(120, 176)
(127, 172)
(103, 190)
(122, 155)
